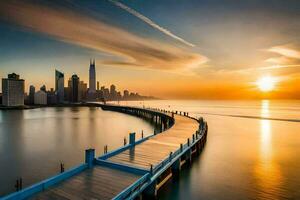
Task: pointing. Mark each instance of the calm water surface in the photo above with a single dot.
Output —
(252, 151)
(34, 142)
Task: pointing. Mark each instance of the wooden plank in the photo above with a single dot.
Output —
(96, 183)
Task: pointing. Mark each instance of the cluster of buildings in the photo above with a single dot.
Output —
(13, 91)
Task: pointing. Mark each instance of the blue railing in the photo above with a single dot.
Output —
(41, 186)
(136, 188)
(133, 189)
(179, 151)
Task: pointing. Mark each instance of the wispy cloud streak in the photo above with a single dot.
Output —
(72, 27)
(150, 22)
(287, 55)
(285, 51)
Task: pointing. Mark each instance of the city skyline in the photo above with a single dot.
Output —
(76, 91)
(57, 82)
(202, 50)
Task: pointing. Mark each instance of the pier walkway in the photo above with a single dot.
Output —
(139, 169)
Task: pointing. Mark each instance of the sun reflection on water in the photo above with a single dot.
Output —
(267, 171)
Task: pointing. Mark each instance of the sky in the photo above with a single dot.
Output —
(195, 49)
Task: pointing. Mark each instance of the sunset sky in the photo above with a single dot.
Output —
(189, 49)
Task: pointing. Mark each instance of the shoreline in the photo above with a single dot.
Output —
(81, 104)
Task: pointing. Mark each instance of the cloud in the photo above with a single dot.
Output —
(267, 68)
(287, 55)
(285, 51)
(68, 26)
(278, 60)
(150, 22)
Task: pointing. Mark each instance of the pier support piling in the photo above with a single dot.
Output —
(150, 192)
(176, 167)
(188, 157)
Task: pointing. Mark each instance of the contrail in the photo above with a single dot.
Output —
(150, 22)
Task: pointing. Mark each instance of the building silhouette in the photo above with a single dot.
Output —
(125, 94)
(31, 94)
(92, 78)
(74, 88)
(51, 97)
(43, 88)
(82, 91)
(113, 92)
(13, 90)
(40, 97)
(59, 86)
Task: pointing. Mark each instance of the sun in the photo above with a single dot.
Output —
(266, 83)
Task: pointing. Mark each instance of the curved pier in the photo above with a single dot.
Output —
(139, 169)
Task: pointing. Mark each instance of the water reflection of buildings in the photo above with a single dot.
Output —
(267, 171)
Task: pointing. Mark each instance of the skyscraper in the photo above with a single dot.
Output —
(31, 94)
(126, 94)
(74, 88)
(13, 90)
(92, 78)
(82, 90)
(113, 92)
(59, 85)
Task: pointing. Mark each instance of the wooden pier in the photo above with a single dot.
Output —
(139, 169)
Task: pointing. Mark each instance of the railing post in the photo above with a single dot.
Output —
(125, 141)
(131, 138)
(105, 149)
(89, 157)
(17, 185)
(201, 122)
(151, 169)
(62, 167)
(170, 156)
(142, 134)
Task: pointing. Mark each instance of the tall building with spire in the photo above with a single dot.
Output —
(92, 78)
(59, 86)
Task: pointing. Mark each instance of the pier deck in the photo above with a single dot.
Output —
(156, 149)
(95, 183)
(138, 169)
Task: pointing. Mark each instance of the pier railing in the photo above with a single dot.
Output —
(135, 189)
